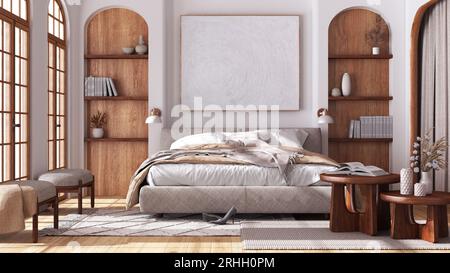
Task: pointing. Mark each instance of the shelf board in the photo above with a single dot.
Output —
(119, 98)
(360, 140)
(116, 57)
(362, 98)
(361, 57)
(116, 139)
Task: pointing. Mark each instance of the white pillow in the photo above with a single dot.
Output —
(199, 139)
(288, 138)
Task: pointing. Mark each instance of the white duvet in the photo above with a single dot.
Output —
(233, 175)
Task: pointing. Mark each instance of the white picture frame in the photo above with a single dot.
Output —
(241, 60)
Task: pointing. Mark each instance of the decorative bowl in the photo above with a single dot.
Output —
(128, 50)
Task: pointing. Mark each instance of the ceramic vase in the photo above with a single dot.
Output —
(141, 48)
(336, 92)
(346, 85)
(98, 132)
(406, 182)
(376, 50)
(419, 190)
(427, 179)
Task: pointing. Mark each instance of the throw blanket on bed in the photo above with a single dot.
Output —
(258, 153)
(16, 204)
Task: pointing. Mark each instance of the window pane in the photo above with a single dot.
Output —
(23, 10)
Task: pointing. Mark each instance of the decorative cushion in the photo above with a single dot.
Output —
(68, 177)
(44, 190)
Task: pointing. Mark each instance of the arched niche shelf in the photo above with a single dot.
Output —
(350, 51)
(415, 69)
(126, 136)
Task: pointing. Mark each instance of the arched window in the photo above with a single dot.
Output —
(57, 91)
(14, 87)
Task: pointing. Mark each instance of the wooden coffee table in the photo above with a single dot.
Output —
(403, 225)
(344, 217)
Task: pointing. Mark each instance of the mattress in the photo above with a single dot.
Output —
(198, 175)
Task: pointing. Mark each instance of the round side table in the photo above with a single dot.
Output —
(403, 225)
(344, 217)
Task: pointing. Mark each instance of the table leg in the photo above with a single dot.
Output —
(403, 225)
(430, 231)
(368, 218)
(443, 221)
(341, 219)
(383, 209)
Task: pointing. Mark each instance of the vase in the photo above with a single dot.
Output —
(427, 179)
(346, 85)
(98, 132)
(406, 182)
(420, 190)
(141, 48)
(376, 51)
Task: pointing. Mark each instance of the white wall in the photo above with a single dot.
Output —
(163, 18)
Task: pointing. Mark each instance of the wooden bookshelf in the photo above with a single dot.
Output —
(116, 140)
(359, 140)
(361, 57)
(361, 98)
(118, 98)
(116, 57)
(351, 53)
(115, 158)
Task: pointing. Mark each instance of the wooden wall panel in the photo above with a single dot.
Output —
(130, 76)
(371, 153)
(370, 77)
(113, 165)
(345, 111)
(113, 29)
(126, 119)
(347, 32)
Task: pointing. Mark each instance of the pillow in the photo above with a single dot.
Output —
(288, 138)
(199, 139)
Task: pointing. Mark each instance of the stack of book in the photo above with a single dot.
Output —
(99, 87)
(372, 127)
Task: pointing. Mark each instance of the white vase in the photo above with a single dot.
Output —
(427, 179)
(376, 50)
(420, 190)
(98, 132)
(346, 85)
(141, 48)
(406, 182)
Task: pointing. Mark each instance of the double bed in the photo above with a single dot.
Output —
(215, 188)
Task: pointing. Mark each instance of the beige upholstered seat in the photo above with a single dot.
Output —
(44, 190)
(68, 177)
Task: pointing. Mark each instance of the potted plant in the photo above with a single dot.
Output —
(98, 122)
(429, 156)
(376, 37)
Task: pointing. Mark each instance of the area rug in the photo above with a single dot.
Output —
(109, 222)
(315, 235)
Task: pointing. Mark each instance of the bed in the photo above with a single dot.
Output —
(215, 188)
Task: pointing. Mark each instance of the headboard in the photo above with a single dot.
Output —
(313, 142)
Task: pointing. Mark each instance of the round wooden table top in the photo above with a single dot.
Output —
(435, 199)
(360, 180)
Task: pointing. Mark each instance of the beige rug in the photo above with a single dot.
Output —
(315, 235)
(113, 222)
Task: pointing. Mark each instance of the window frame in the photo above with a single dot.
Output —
(61, 44)
(16, 22)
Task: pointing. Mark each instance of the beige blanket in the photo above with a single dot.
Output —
(16, 204)
(259, 153)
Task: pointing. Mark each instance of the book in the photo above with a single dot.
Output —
(357, 132)
(359, 169)
(108, 88)
(115, 94)
(351, 129)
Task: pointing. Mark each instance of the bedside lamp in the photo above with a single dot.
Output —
(155, 116)
(324, 118)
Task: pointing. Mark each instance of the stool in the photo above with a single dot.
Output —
(72, 181)
(46, 195)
